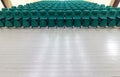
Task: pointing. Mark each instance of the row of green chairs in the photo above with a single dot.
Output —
(60, 18)
(60, 14)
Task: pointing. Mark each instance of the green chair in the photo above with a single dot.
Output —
(77, 18)
(94, 18)
(86, 18)
(9, 18)
(34, 18)
(43, 18)
(60, 18)
(112, 18)
(26, 18)
(69, 18)
(118, 18)
(17, 19)
(2, 19)
(51, 18)
(103, 18)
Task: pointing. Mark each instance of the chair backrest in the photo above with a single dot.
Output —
(26, 14)
(103, 14)
(86, 14)
(94, 13)
(8, 14)
(17, 14)
(112, 13)
(1, 15)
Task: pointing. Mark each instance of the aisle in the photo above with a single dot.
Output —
(59, 53)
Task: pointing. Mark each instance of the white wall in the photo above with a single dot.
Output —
(119, 5)
(18, 2)
(1, 6)
(23, 2)
(106, 2)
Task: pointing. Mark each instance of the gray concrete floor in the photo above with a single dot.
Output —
(60, 53)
